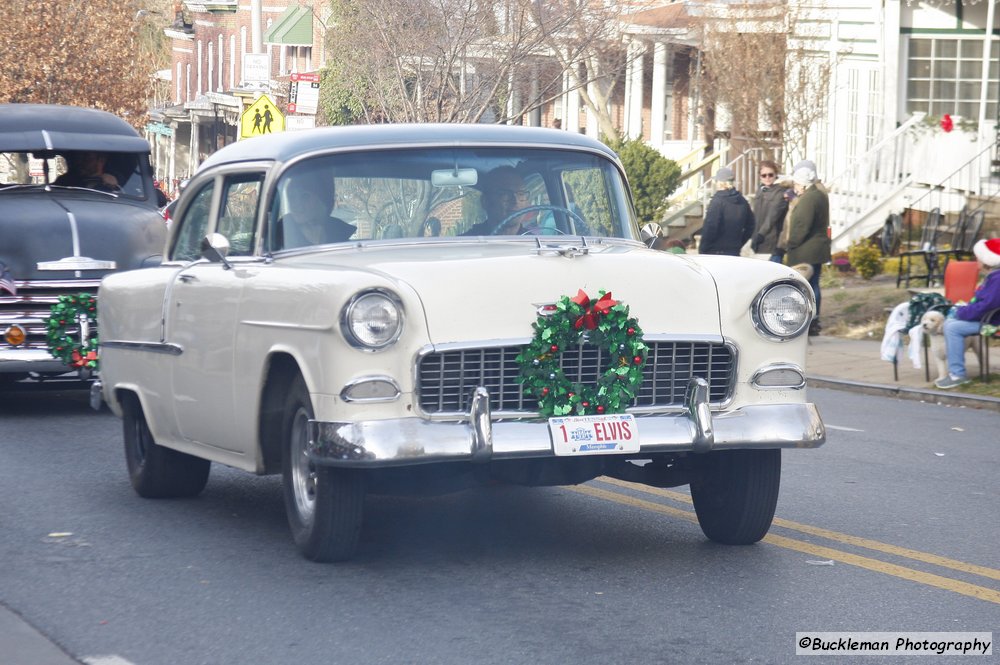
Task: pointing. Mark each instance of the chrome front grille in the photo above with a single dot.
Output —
(446, 379)
(30, 307)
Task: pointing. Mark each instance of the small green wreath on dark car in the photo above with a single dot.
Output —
(426, 308)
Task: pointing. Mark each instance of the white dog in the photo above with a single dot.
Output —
(933, 324)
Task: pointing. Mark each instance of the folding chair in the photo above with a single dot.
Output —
(927, 251)
(960, 278)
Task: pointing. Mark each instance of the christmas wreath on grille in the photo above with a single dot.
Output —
(605, 323)
(74, 311)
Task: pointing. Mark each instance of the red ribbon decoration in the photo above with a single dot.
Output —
(80, 361)
(592, 312)
(947, 124)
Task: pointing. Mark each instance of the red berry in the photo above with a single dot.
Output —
(545, 391)
(631, 331)
(637, 360)
(554, 347)
(600, 409)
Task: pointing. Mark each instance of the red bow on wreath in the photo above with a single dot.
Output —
(947, 124)
(592, 312)
(80, 361)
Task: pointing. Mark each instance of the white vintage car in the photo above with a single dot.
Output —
(347, 307)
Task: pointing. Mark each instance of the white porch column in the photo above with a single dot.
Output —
(636, 50)
(193, 146)
(172, 156)
(658, 102)
(984, 133)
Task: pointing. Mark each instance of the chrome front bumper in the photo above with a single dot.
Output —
(30, 360)
(408, 441)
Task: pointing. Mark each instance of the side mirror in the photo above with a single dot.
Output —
(215, 247)
(650, 232)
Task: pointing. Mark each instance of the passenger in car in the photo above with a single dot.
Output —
(86, 169)
(503, 193)
(308, 220)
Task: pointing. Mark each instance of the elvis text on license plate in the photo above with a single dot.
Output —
(611, 433)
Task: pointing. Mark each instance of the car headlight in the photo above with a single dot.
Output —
(372, 320)
(782, 311)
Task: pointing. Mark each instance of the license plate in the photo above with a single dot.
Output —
(612, 433)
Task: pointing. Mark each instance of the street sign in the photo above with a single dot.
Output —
(303, 94)
(262, 117)
(256, 68)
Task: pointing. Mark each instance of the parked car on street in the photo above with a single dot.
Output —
(488, 313)
(60, 234)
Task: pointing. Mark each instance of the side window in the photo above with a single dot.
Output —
(240, 195)
(194, 225)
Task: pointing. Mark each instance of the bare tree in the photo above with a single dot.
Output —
(78, 52)
(755, 70)
(586, 39)
(470, 60)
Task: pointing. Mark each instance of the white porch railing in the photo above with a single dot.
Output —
(863, 194)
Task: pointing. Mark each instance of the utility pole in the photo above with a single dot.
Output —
(256, 36)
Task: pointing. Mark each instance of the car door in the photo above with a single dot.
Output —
(202, 307)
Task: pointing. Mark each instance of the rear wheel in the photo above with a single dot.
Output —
(736, 494)
(157, 472)
(324, 504)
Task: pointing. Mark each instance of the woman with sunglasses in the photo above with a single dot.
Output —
(769, 208)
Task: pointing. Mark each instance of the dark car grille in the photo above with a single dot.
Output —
(30, 307)
(446, 380)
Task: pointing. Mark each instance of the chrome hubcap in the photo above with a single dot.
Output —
(303, 471)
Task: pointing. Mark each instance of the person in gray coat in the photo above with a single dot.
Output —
(770, 205)
(729, 222)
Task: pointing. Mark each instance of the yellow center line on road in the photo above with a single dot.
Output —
(894, 570)
(866, 543)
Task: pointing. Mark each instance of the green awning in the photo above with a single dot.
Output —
(293, 28)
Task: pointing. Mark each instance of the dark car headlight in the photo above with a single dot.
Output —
(782, 310)
(372, 320)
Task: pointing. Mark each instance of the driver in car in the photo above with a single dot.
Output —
(503, 194)
(86, 169)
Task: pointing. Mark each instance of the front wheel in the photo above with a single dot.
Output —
(736, 494)
(324, 505)
(157, 472)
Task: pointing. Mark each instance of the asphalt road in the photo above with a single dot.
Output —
(892, 526)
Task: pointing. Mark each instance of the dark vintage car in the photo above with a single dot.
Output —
(59, 240)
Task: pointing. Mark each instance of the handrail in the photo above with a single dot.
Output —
(860, 192)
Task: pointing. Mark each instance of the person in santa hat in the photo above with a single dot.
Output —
(967, 320)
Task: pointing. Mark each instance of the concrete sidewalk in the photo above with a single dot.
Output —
(856, 365)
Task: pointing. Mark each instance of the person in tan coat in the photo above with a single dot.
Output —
(807, 238)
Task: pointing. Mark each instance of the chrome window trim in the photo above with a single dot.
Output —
(152, 347)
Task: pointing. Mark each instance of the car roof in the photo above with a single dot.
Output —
(57, 127)
(286, 146)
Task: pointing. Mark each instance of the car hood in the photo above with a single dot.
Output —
(49, 236)
(468, 288)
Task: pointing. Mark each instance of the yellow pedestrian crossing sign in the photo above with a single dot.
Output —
(261, 118)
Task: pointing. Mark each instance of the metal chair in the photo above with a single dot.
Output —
(966, 234)
(984, 345)
(927, 251)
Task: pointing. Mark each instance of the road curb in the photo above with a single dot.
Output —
(902, 392)
(22, 644)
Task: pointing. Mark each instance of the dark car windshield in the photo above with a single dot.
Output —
(448, 191)
(120, 172)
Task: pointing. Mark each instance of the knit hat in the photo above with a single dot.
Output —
(725, 174)
(988, 252)
(804, 176)
(807, 163)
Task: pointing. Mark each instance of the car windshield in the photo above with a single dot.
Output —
(441, 192)
(113, 172)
